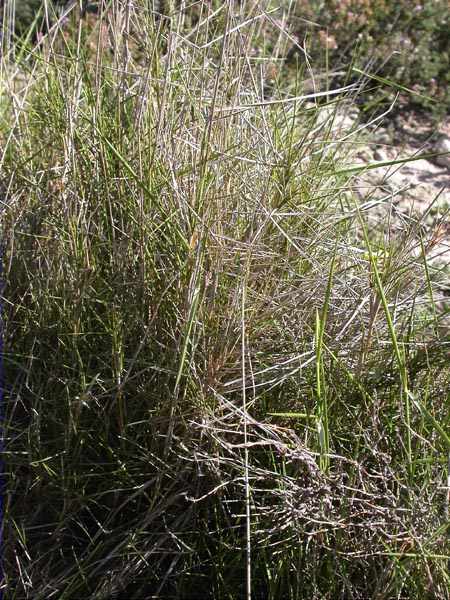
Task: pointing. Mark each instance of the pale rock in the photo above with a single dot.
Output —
(380, 155)
(443, 145)
(342, 119)
(383, 137)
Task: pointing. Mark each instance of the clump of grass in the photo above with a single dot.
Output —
(218, 384)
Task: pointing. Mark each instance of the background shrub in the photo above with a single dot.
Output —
(407, 42)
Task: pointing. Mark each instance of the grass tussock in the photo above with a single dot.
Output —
(224, 378)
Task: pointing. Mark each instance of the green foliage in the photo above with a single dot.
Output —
(26, 12)
(407, 41)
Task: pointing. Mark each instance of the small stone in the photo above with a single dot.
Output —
(340, 119)
(443, 145)
(380, 154)
(383, 137)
